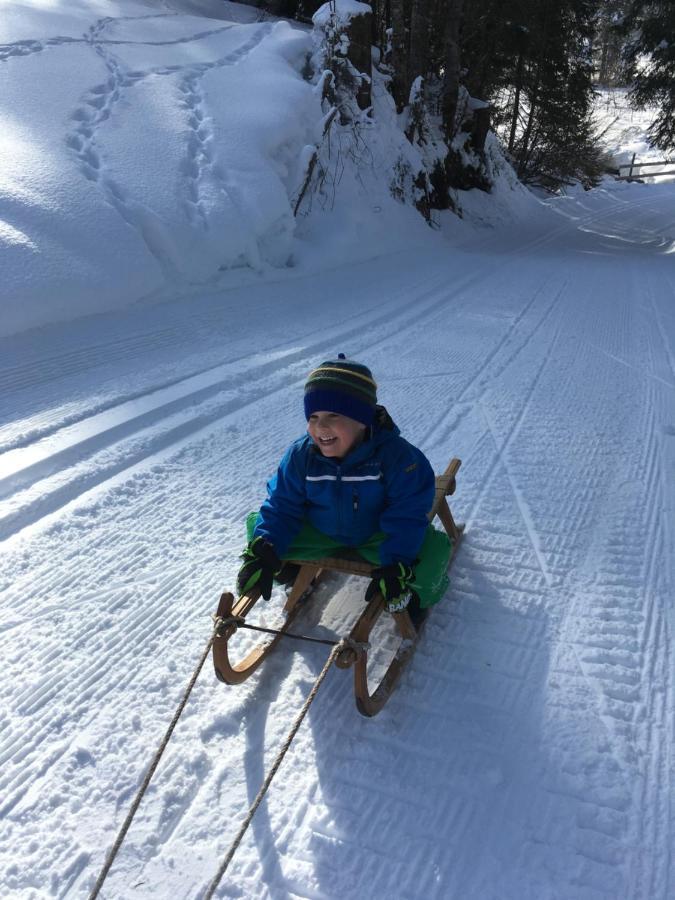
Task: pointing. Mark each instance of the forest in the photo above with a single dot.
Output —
(524, 69)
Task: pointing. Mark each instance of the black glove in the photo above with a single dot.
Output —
(261, 564)
(393, 582)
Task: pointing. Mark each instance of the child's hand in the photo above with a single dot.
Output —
(261, 564)
(393, 582)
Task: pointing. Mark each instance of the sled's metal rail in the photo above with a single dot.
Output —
(368, 704)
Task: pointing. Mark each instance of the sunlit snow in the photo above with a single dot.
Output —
(161, 308)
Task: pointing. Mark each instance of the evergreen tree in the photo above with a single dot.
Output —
(533, 60)
(650, 58)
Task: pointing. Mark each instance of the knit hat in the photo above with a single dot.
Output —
(342, 386)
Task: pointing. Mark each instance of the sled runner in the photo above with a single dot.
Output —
(355, 653)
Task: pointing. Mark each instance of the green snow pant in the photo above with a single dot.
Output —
(431, 572)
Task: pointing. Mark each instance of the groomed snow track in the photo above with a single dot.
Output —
(527, 752)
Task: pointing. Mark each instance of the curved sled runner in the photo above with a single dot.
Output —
(356, 651)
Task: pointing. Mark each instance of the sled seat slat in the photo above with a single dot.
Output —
(337, 564)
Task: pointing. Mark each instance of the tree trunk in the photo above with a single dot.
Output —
(516, 101)
(399, 24)
(452, 66)
(359, 54)
(418, 58)
(535, 84)
(524, 150)
(604, 38)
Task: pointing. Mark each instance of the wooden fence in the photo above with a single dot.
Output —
(633, 165)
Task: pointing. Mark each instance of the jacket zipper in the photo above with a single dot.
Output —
(338, 479)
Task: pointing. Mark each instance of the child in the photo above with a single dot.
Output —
(351, 483)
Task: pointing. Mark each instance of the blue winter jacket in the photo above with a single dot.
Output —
(384, 484)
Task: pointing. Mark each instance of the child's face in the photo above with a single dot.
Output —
(335, 435)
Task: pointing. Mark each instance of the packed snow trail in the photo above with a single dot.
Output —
(527, 751)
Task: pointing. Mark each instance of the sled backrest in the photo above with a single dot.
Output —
(445, 486)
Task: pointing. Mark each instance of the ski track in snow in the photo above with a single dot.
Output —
(527, 752)
(547, 670)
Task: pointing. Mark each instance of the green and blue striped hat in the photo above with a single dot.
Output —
(342, 386)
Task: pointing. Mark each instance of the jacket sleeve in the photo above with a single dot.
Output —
(283, 512)
(410, 484)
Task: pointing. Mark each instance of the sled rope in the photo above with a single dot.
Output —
(219, 623)
(151, 771)
(340, 645)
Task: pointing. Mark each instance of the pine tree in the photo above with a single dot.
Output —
(533, 60)
(400, 42)
(650, 59)
(451, 67)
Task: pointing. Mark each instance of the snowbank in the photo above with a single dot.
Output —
(92, 94)
(156, 152)
(343, 10)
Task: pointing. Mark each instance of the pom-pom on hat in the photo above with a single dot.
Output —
(342, 386)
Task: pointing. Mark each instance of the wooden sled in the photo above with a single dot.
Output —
(356, 652)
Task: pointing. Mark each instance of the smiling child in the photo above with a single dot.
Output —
(351, 483)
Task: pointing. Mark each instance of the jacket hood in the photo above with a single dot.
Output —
(383, 421)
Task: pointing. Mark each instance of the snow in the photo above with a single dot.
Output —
(343, 10)
(116, 85)
(80, 207)
(527, 751)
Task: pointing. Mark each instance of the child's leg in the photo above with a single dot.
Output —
(431, 572)
(309, 543)
(431, 577)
